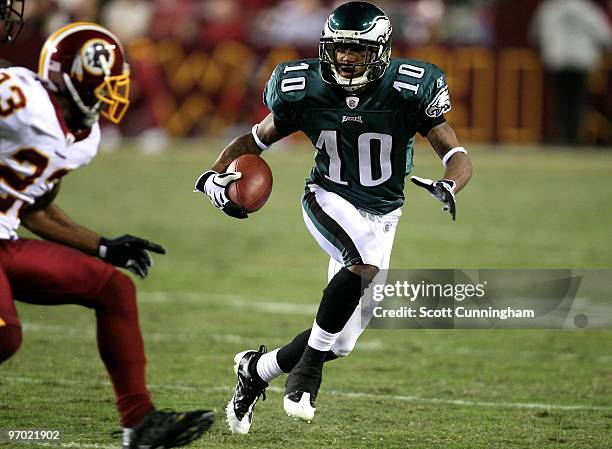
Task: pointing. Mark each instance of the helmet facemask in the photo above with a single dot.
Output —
(361, 28)
(113, 95)
(11, 19)
(375, 60)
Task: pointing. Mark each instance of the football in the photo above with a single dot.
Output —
(253, 189)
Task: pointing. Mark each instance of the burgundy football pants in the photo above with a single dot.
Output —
(46, 273)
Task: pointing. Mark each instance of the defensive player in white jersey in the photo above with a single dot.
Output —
(49, 127)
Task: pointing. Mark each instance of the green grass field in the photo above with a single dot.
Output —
(227, 285)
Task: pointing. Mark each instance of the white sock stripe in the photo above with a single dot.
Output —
(320, 339)
(267, 366)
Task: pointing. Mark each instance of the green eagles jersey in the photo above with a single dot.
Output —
(363, 141)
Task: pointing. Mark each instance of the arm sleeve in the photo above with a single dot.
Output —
(280, 109)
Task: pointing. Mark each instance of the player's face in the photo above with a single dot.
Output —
(350, 54)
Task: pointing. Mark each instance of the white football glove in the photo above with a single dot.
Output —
(214, 186)
(442, 190)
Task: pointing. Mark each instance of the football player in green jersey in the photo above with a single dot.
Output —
(361, 109)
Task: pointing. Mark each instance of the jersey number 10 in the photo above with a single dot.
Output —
(328, 140)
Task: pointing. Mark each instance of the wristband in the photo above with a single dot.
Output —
(260, 144)
(103, 248)
(448, 155)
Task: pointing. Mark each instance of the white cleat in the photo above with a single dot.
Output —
(237, 426)
(302, 409)
(239, 410)
(240, 426)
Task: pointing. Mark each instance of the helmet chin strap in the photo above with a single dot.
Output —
(90, 114)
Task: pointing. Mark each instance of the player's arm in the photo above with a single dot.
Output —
(48, 221)
(260, 138)
(458, 168)
(45, 219)
(213, 183)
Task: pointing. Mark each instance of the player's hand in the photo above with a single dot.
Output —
(129, 252)
(442, 190)
(214, 186)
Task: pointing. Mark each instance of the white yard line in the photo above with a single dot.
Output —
(249, 342)
(599, 313)
(71, 444)
(250, 303)
(340, 393)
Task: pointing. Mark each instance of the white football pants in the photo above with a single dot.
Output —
(349, 236)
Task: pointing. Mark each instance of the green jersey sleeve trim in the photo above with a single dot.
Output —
(428, 123)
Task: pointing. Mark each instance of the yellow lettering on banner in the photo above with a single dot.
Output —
(496, 94)
(596, 126)
(189, 113)
(2, 323)
(519, 107)
(476, 67)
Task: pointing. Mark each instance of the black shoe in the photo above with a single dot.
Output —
(301, 391)
(249, 386)
(165, 429)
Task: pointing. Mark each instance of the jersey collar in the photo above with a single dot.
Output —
(70, 135)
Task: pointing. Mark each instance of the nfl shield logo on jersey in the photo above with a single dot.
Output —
(352, 102)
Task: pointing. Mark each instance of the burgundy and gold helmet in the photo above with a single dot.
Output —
(86, 62)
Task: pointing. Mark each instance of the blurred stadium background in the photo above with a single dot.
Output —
(199, 66)
(535, 202)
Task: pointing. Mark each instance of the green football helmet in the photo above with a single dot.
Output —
(359, 26)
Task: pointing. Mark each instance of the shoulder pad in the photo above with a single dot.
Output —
(421, 83)
(24, 102)
(292, 81)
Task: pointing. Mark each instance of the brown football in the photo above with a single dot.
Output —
(253, 189)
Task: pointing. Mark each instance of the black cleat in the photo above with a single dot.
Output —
(166, 429)
(249, 386)
(301, 391)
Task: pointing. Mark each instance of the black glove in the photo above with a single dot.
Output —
(214, 186)
(129, 252)
(443, 191)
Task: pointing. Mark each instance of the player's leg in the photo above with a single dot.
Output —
(345, 234)
(10, 328)
(67, 276)
(384, 228)
(255, 369)
(282, 360)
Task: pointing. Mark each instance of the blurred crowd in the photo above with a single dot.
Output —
(563, 31)
(265, 22)
(297, 23)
